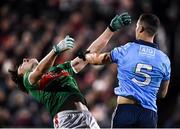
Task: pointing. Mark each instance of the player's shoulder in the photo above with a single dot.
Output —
(125, 46)
(26, 77)
(26, 81)
(131, 45)
(164, 56)
(123, 49)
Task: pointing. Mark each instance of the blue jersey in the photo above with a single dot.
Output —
(141, 68)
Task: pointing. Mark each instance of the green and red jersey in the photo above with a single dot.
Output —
(55, 87)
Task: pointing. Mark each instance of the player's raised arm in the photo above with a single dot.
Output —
(116, 23)
(48, 60)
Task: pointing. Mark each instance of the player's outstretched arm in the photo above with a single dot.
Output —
(116, 23)
(78, 64)
(48, 61)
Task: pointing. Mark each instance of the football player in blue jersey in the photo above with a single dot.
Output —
(143, 75)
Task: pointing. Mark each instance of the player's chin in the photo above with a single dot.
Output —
(34, 62)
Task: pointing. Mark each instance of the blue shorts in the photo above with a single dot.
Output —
(131, 115)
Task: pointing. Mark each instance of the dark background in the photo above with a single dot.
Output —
(29, 28)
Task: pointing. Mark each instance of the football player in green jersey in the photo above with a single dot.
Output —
(55, 86)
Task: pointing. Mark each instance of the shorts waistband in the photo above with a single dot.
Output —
(126, 100)
(72, 112)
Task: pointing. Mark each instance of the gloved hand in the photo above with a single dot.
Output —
(82, 55)
(65, 44)
(120, 20)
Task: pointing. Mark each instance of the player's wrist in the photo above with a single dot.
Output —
(82, 55)
(65, 44)
(56, 50)
(111, 28)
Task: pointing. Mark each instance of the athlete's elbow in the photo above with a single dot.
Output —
(162, 95)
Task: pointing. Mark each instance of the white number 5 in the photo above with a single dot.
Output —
(147, 77)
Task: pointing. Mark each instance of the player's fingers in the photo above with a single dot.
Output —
(115, 18)
(124, 14)
(120, 20)
(70, 45)
(69, 42)
(126, 17)
(67, 36)
(127, 21)
(70, 39)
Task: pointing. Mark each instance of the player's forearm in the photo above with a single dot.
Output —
(46, 62)
(101, 41)
(98, 59)
(163, 89)
(161, 95)
(95, 47)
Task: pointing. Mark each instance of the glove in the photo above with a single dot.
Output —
(120, 20)
(65, 44)
(82, 55)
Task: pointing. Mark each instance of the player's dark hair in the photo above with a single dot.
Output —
(150, 23)
(18, 79)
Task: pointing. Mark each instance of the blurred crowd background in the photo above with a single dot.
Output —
(29, 28)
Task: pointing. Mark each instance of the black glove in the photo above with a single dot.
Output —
(82, 55)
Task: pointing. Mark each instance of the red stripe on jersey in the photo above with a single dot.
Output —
(49, 76)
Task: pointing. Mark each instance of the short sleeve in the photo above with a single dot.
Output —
(118, 53)
(26, 82)
(113, 54)
(167, 73)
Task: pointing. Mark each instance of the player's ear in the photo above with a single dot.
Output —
(141, 29)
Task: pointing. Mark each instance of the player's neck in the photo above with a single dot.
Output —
(34, 66)
(147, 38)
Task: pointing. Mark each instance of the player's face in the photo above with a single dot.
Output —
(27, 64)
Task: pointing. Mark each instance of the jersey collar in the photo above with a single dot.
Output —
(142, 42)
